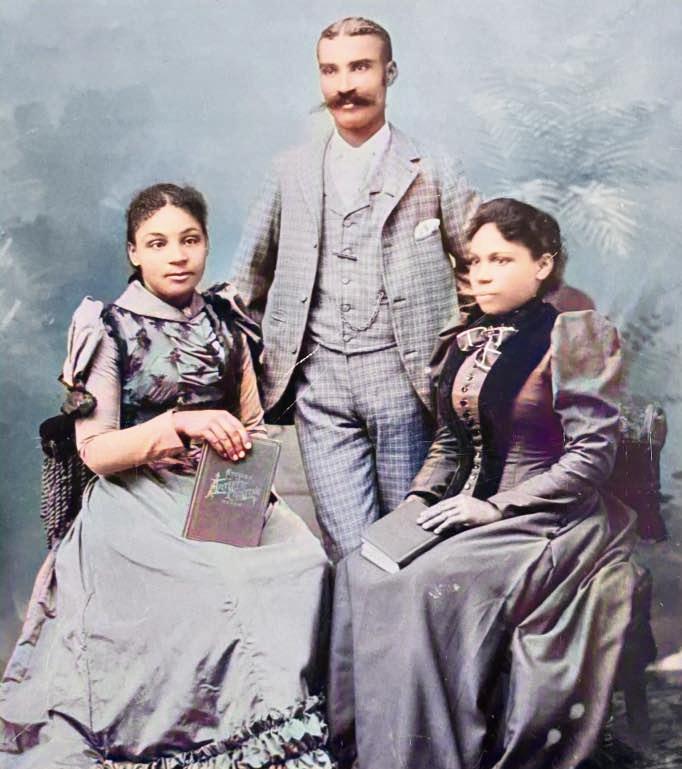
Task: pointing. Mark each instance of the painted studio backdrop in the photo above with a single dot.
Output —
(574, 106)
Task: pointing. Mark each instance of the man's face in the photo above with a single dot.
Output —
(353, 78)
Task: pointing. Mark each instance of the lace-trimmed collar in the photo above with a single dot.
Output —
(136, 298)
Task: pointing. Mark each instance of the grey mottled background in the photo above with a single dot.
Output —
(574, 105)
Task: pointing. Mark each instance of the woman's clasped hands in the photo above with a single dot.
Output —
(226, 434)
(459, 512)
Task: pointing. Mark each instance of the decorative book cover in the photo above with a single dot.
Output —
(396, 539)
(230, 499)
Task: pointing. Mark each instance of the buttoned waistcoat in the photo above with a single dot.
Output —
(277, 258)
(349, 312)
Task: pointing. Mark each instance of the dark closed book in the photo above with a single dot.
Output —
(230, 499)
(396, 539)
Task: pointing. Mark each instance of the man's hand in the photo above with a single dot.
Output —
(222, 430)
(460, 512)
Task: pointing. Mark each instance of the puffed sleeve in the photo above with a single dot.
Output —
(226, 301)
(250, 408)
(586, 372)
(91, 373)
(86, 333)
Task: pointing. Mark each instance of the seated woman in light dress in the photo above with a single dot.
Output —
(499, 646)
(141, 647)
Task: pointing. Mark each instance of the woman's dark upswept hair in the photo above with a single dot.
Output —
(530, 227)
(149, 200)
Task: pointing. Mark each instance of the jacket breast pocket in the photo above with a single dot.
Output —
(428, 247)
(427, 240)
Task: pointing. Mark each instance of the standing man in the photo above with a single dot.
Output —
(345, 260)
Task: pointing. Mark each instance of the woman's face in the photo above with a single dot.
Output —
(170, 249)
(503, 274)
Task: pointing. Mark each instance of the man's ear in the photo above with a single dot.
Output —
(391, 72)
(545, 266)
(131, 255)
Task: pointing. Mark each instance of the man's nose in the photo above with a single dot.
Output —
(344, 83)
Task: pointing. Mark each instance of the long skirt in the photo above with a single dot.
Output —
(143, 648)
(497, 648)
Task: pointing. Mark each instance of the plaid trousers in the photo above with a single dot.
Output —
(363, 433)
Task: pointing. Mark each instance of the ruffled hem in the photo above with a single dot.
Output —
(295, 738)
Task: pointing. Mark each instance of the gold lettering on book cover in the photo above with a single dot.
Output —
(233, 487)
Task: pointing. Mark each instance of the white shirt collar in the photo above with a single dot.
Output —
(374, 147)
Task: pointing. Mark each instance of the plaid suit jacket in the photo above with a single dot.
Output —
(277, 257)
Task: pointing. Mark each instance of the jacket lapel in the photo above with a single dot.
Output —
(521, 354)
(399, 171)
(311, 176)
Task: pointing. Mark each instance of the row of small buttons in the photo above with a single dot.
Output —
(468, 380)
(476, 438)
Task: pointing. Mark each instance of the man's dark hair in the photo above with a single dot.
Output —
(148, 201)
(358, 25)
(522, 223)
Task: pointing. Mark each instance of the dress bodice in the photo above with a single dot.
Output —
(131, 363)
(164, 356)
(167, 363)
(529, 422)
(536, 431)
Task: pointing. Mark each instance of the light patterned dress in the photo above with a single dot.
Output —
(143, 648)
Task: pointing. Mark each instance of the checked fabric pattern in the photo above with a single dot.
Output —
(363, 434)
(277, 259)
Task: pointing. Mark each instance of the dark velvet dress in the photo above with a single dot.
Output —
(498, 647)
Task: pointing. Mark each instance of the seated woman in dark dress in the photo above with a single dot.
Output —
(499, 647)
(141, 647)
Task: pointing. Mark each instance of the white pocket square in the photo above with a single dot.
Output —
(425, 228)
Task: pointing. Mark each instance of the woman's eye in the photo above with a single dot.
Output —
(191, 241)
(156, 244)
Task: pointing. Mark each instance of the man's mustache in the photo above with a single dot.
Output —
(341, 99)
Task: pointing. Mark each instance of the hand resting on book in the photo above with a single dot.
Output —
(458, 512)
(225, 433)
